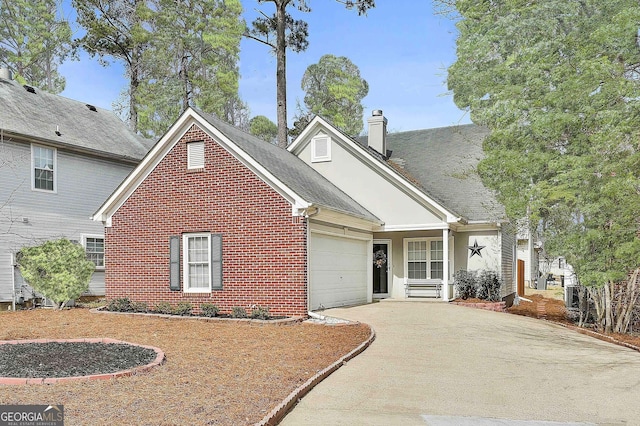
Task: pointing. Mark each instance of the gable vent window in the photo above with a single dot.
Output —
(91, 108)
(195, 155)
(320, 148)
(29, 89)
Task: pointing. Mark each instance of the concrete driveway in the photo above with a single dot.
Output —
(441, 364)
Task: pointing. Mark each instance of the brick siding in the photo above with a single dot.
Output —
(264, 248)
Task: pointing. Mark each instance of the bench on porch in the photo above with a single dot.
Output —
(431, 288)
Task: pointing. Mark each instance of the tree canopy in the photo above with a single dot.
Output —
(556, 82)
(334, 90)
(176, 55)
(263, 128)
(34, 40)
(281, 32)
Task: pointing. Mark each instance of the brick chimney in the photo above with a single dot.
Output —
(378, 132)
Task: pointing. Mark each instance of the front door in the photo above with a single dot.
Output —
(381, 268)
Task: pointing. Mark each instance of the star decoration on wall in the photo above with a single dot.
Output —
(475, 249)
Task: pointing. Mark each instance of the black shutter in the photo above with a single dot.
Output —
(174, 263)
(216, 260)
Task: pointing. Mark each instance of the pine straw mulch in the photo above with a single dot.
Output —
(215, 373)
(554, 310)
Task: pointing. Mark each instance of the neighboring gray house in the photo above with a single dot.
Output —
(59, 160)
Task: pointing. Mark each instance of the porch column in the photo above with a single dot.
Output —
(445, 264)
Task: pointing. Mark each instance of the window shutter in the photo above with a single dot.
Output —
(174, 263)
(216, 260)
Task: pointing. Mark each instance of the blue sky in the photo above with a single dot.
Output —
(401, 48)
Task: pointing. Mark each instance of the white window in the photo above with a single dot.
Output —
(424, 259)
(94, 248)
(43, 168)
(320, 148)
(197, 262)
(195, 155)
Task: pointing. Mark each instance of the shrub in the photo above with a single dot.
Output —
(209, 310)
(488, 287)
(163, 308)
(59, 270)
(183, 308)
(465, 284)
(139, 307)
(260, 313)
(238, 312)
(122, 304)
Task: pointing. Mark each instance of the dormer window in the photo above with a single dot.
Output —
(320, 148)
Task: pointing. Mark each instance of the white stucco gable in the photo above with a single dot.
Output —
(369, 180)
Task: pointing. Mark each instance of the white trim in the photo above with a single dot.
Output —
(326, 139)
(83, 239)
(297, 146)
(186, 288)
(55, 169)
(417, 227)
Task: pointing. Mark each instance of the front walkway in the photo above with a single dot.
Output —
(432, 361)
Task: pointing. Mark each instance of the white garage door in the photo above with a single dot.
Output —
(338, 271)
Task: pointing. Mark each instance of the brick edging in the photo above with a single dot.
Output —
(278, 413)
(487, 306)
(283, 321)
(596, 335)
(105, 376)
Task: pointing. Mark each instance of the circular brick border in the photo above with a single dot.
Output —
(105, 376)
(277, 414)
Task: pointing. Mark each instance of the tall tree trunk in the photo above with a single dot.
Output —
(281, 72)
(608, 316)
(134, 82)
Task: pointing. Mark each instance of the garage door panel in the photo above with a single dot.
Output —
(338, 271)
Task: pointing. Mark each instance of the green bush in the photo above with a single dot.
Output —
(465, 283)
(209, 310)
(260, 313)
(488, 287)
(59, 270)
(163, 308)
(139, 307)
(238, 312)
(183, 308)
(122, 304)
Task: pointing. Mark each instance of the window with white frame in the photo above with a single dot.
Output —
(320, 148)
(94, 248)
(424, 258)
(43, 168)
(195, 155)
(197, 262)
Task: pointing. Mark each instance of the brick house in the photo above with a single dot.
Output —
(215, 215)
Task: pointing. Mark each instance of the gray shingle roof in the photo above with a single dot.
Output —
(38, 115)
(292, 171)
(443, 162)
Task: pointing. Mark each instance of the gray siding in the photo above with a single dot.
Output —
(82, 185)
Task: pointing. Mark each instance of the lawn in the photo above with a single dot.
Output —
(215, 373)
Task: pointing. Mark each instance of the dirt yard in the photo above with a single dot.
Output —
(215, 373)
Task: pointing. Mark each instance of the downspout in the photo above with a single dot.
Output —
(307, 215)
(13, 283)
